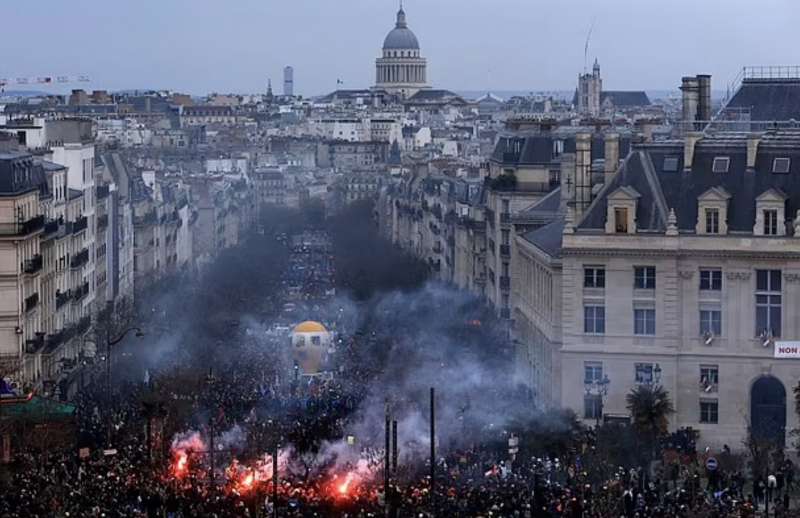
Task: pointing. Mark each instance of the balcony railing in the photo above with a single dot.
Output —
(102, 191)
(62, 298)
(33, 265)
(51, 227)
(80, 292)
(102, 222)
(505, 282)
(80, 224)
(34, 345)
(79, 259)
(22, 228)
(31, 302)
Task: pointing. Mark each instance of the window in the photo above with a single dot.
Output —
(644, 373)
(670, 164)
(645, 277)
(768, 302)
(711, 322)
(711, 280)
(709, 375)
(594, 319)
(644, 321)
(712, 221)
(721, 164)
(709, 411)
(592, 372)
(781, 165)
(592, 406)
(771, 222)
(594, 277)
(621, 220)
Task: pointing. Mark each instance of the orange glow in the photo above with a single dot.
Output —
(181, 464)
(344, 487)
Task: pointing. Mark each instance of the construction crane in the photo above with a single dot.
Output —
(42, 81)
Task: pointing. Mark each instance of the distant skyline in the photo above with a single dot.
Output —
(527, 45)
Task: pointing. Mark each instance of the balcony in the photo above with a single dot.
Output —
(34, 345)
(80, 292)
(79, 259)
(62, 298)
(505, 250)
(505, 282)
(31, 302)
(51, 227)
(102, 222)
(102, 191)
(80, 224)
(22, 228)
(83, 325)
(33, 265)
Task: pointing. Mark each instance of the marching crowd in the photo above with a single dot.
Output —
(123, 463)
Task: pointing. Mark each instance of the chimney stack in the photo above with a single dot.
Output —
(583, 172)
(567, 180)
(690, 87)
(689, 143)
(612, 156)
(753, 141)
(704, 97)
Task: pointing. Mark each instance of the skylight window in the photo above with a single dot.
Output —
(721, 164)
(781, 165)
(670, 164)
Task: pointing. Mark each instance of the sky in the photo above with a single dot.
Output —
(203, 46)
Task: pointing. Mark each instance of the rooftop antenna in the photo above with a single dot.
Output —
(586, 47)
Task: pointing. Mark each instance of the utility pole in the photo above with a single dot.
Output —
(275, 481)
(433, 452)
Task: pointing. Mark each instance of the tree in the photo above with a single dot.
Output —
(650, 407)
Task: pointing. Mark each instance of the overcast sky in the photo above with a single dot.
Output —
(200, 46)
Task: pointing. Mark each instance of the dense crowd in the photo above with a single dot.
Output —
(251, 387)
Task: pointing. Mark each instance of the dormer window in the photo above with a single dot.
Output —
(771, 222)
(721, 164)
(770, 213)
(781, 165)
(621, 220)
(712, 212)
(621, 211)
(712, 221)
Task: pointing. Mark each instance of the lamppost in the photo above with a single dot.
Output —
(110, 342)
(598, 388)
(656, 381)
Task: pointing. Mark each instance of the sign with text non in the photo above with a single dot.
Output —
(786, 349)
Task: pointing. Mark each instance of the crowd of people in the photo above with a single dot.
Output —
(123, 464)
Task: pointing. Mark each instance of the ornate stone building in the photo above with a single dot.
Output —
(401, 70)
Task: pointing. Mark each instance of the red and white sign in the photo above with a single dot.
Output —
(787, 350)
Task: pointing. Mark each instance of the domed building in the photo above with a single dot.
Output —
(401, 70)
(310, 342)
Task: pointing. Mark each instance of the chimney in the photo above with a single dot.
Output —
(690, 88)
(567, 181)
(704, 97)
(612, 156)
(583, 172)
(753, 141)
(689, 143)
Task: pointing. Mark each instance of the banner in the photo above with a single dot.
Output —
(787, 350)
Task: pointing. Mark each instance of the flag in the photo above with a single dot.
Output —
(339, 82)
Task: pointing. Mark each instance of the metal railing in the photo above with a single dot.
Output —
(22, 228)
(80, 224)
(33, 265)
(31, 302)
(79, 259)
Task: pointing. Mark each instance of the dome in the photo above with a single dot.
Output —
(309, 326)
(401, 37)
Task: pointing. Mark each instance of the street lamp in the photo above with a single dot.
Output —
(598, 388)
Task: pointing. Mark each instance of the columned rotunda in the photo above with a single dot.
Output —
(401, 70)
